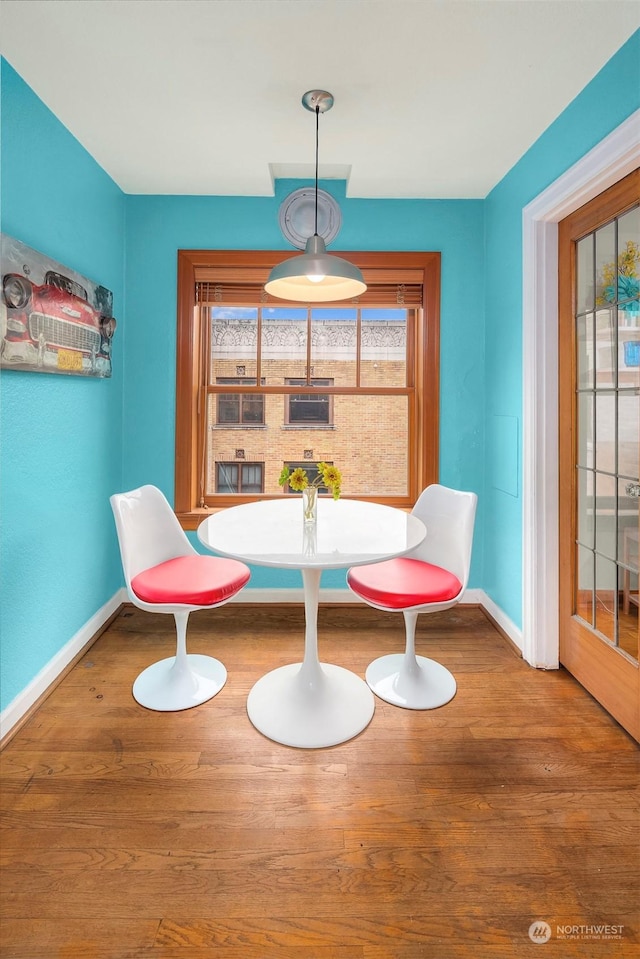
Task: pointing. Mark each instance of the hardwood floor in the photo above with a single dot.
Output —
(129, 834)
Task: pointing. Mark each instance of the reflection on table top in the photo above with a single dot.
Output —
(347, 533)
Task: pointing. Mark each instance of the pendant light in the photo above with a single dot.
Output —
(315, 276)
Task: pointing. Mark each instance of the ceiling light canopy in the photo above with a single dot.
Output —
(316, 276)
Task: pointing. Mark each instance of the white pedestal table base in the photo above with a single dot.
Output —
(324, 709)
(310, 704)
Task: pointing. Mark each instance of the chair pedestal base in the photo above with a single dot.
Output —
(168, 688)
(412, 682)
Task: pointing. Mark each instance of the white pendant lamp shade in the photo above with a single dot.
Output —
(315, 277)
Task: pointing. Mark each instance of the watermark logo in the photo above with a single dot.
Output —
(539, 931)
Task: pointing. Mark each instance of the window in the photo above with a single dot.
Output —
(352, 383)
(308, 409)
(239, 478)
(240, 408)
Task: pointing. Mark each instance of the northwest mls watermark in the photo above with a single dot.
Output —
(541, 931)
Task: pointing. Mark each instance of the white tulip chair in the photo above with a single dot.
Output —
(431, 578)
(165, 574)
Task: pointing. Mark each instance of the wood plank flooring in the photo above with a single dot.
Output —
(129, 834)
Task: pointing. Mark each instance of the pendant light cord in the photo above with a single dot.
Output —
(317, 134)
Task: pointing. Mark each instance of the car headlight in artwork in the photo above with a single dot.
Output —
(108, 326)
(17, 291)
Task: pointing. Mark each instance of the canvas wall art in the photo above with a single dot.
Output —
(52, 319)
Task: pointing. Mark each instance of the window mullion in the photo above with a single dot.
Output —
(358, 344)
(259, 347)
(203, 401)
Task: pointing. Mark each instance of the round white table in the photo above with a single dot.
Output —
(311, 704)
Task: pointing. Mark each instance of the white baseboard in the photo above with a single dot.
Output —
(53, 669)
(506, 625)
(472, 597)
(17, 708)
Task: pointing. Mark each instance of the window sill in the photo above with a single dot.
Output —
(193, 518)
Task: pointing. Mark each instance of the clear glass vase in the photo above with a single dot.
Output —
(310, 504)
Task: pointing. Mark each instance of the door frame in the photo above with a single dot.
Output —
(608, 162)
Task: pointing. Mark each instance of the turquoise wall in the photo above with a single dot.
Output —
(61, 450)
(611, 97)
(157, 226)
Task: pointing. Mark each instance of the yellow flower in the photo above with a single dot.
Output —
(298, 479)
(327, 475)
(628, 259)
(331, 475)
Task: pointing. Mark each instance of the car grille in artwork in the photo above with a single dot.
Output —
(63, 334)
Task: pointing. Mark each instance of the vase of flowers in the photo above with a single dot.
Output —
(619, 282)
(327, 475)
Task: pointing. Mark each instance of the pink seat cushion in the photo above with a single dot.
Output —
(400, 583)
(191, 580)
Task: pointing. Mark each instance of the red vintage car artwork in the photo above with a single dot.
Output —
(54, 325)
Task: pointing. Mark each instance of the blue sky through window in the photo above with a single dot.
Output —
(300, 313)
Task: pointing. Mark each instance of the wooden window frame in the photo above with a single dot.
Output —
(423, 363)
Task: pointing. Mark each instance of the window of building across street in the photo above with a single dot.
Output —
(263, 383)
(240, 408)
(308, 409)
(245, 478)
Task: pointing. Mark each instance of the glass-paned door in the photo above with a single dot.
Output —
(600, 448)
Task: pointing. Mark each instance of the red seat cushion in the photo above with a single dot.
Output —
(191, 580)
(400, 583)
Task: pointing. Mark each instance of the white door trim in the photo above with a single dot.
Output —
(609, 161)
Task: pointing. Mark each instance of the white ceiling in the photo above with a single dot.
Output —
(433, 98)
